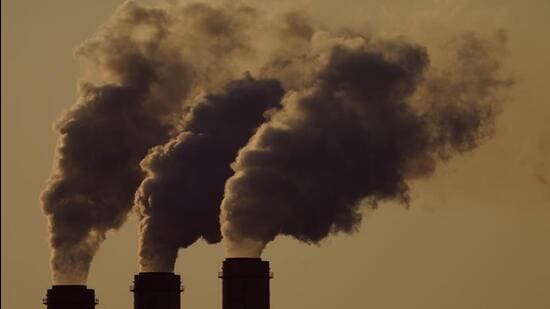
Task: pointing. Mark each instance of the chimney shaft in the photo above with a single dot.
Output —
(245, 283)
(70, 297)
(157, 290)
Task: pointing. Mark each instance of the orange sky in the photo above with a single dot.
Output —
(477, 234)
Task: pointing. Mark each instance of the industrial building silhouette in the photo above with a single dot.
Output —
(245, 285)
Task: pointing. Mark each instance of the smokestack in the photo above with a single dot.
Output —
(157, 290)
(70, 297)
(245, 283)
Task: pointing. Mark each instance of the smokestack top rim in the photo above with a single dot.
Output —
(156, 275)
(164, 277)
(70, 286)
(153, 273)
(243, 259)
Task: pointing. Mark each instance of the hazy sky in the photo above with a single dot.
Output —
(477, 234)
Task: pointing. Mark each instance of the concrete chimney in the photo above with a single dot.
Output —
(245, 283)
(157, 290)
(70, 297)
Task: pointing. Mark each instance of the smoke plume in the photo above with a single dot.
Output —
(360, 119)
(376, 116)
(179, 200)
(143, 66)
(107, 132)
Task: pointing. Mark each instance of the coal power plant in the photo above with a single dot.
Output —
(157, 290)
(245, 285)
(70, 297)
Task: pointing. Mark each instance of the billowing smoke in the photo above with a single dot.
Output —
(179, 200)
(360, 119)
(376, 116)
(107, 132)
(143, 67)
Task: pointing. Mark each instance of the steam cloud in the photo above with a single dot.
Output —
(376, 116)
(360, 119)
(179, 200)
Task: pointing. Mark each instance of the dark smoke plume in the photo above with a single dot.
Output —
(105, 135)
(361, 118)
(376, 117)
(145, 67)
(107, 132)
(149, 62)
(179, 200)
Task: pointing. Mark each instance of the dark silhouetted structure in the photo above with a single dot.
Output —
(70, 297)
(157, 290)
(245, 283)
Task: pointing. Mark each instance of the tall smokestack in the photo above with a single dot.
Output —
(157, 290)
(245, 283)
(70, 297)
